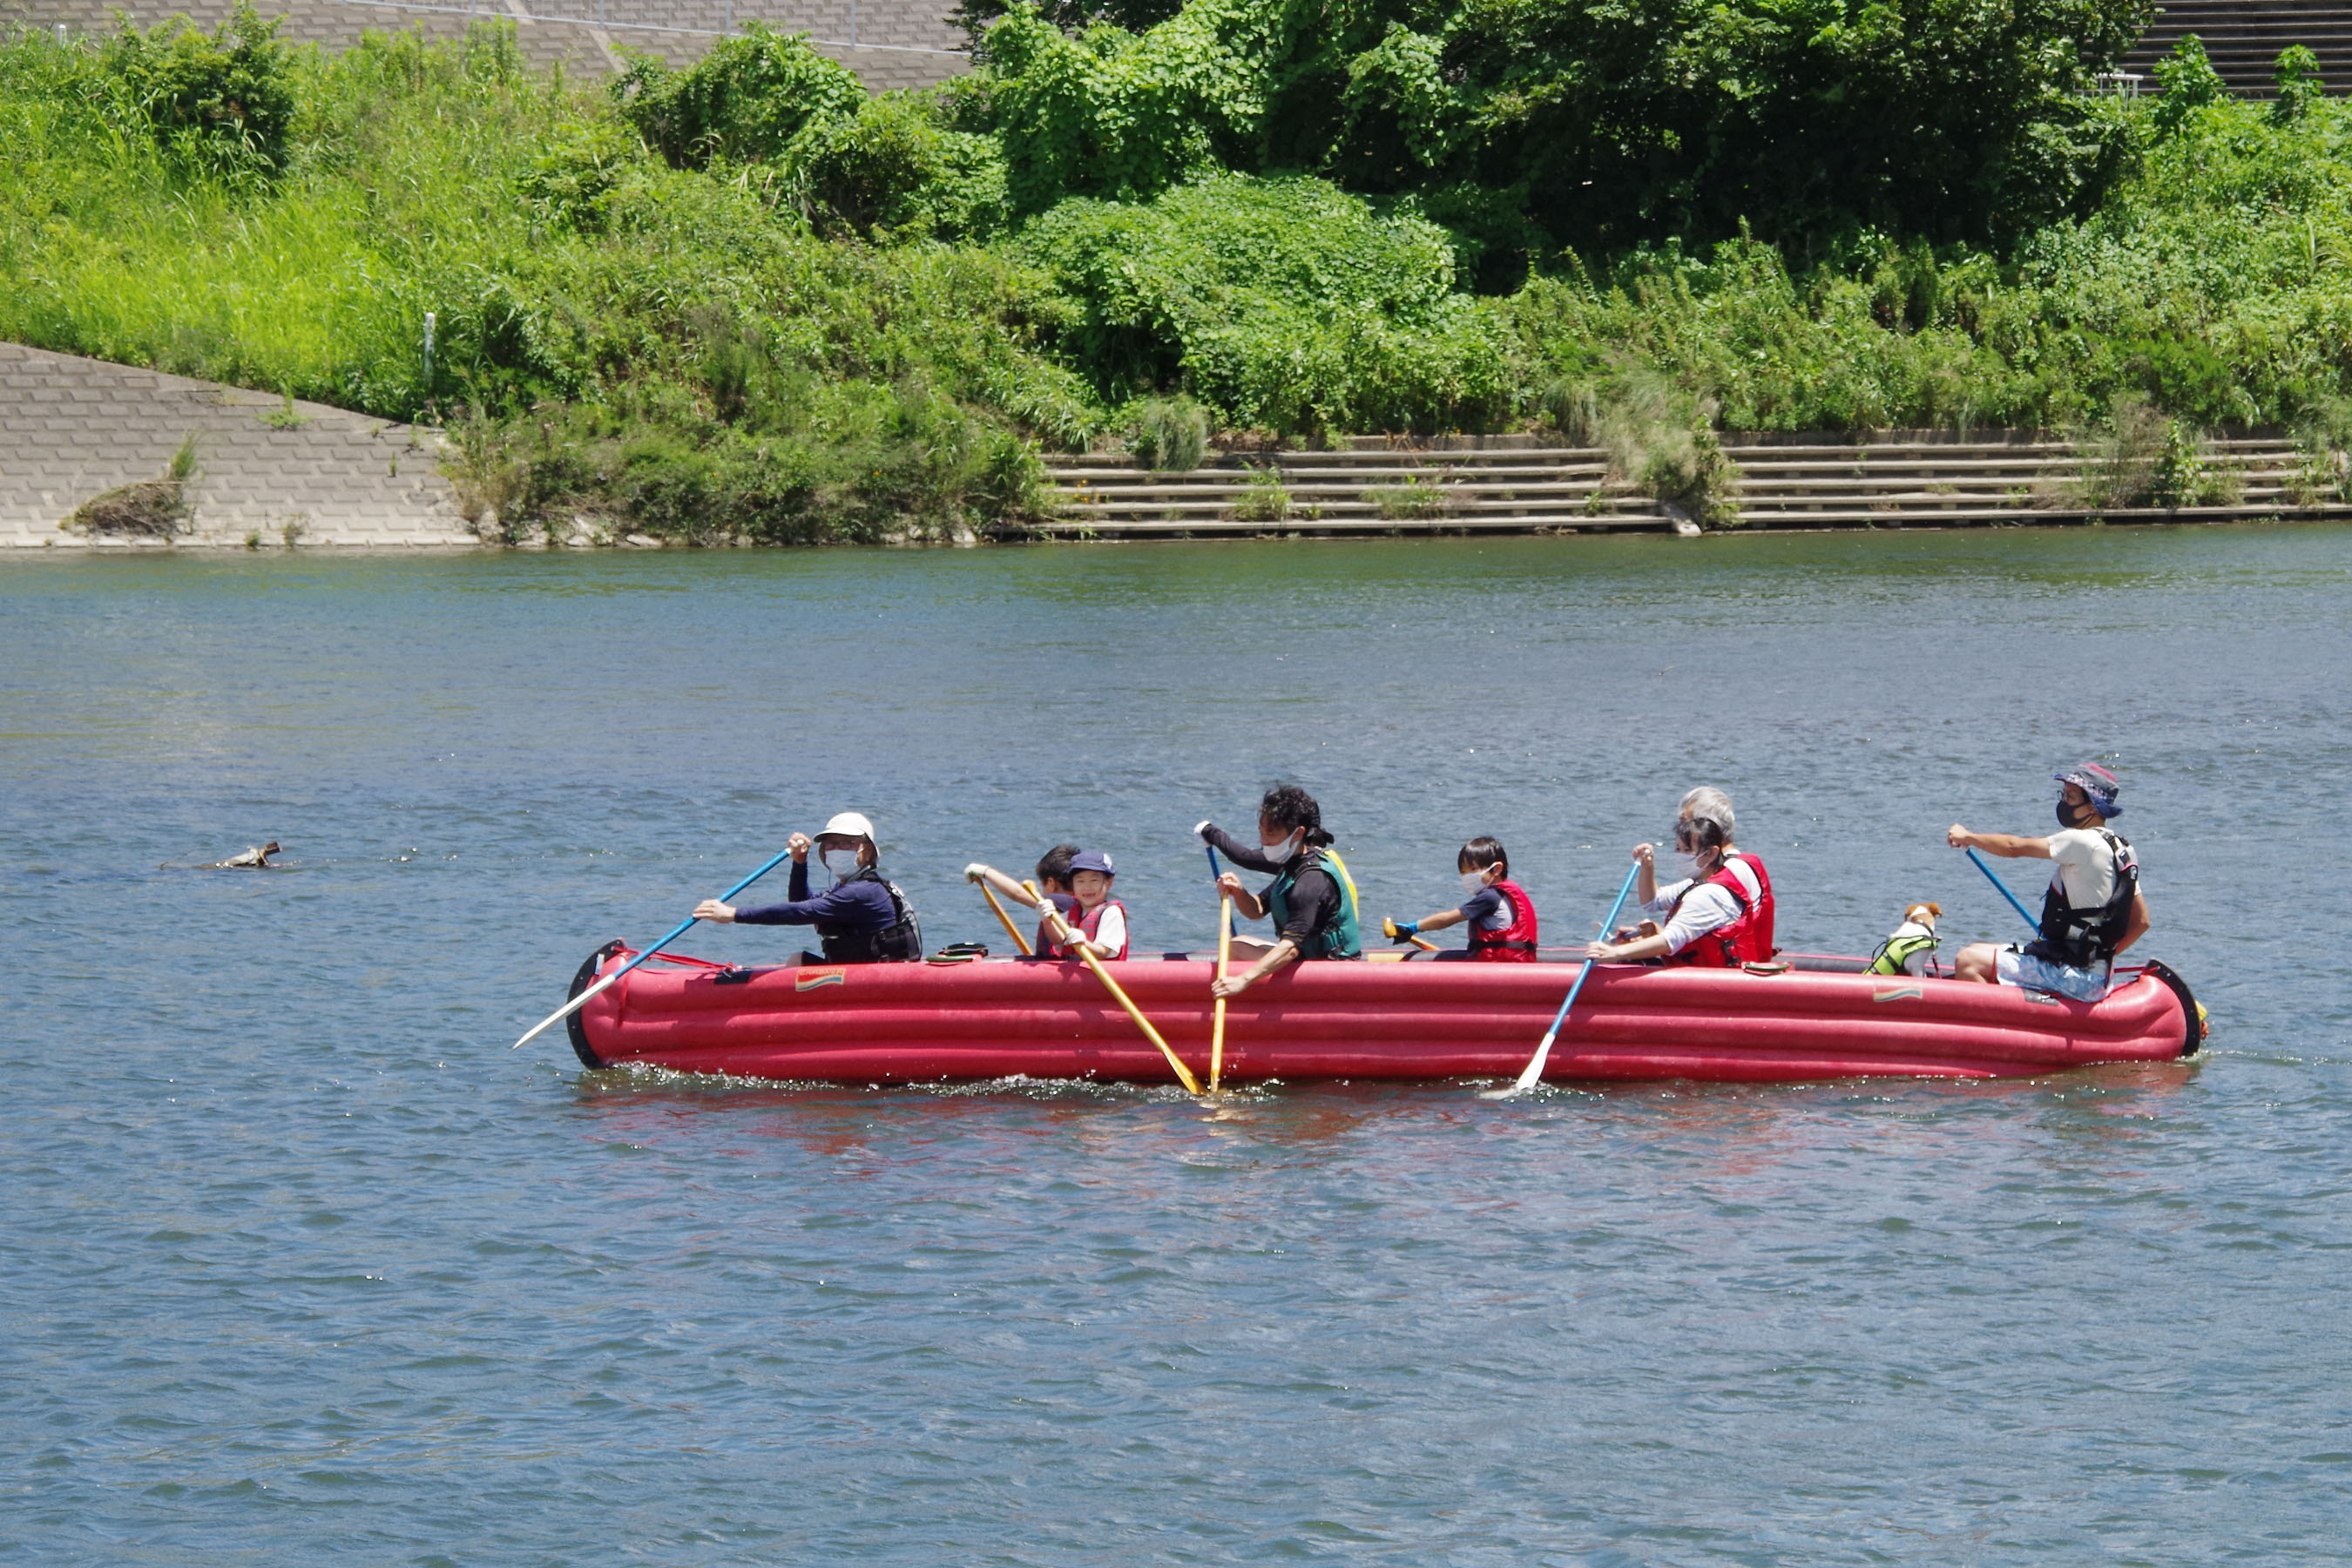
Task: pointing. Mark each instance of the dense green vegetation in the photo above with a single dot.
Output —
(747, 301)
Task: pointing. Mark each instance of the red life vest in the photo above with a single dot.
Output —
(1748, 938)
(1516, 943)
(1088, 925)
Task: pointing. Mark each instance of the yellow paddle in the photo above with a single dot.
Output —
(1010, 928)
(1059, 928)
(1224, 954)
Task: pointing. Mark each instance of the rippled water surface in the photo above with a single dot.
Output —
(298, 1263)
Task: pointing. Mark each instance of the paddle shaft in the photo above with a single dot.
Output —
(1010, 928)
(1535, 1066)
(1232, 921)
(1062, 933)
(683, 927)
(1224, 955)
(2005, 893)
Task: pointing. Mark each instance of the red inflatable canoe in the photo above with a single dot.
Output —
(999, 1017)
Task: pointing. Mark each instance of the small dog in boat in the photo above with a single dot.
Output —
(1908, 951)
(255, 858)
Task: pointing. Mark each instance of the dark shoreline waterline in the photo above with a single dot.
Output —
(2042, 523)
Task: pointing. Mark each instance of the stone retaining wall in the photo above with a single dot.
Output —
(72, 429)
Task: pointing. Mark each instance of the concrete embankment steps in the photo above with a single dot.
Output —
(1515, 488)
(1516, 485)
(2243, 41)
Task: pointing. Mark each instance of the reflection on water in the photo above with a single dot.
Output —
(299, 1260)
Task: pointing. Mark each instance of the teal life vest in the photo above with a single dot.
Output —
(1339, 938)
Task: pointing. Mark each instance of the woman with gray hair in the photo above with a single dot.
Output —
(1719, 916)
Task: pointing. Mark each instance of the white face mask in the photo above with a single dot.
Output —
(1472, 883)
(1281, 853)
(841, 863)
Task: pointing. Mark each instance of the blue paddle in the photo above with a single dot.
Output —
(686, 925)
(1535, 1068)
(2005, 893)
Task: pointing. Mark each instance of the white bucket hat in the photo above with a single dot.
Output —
(848, 825)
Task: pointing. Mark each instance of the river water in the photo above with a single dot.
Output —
(299, 1262)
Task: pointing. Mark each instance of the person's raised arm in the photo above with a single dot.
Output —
(2008, 846)
(796, 890)
(1645, 888)
(1248, 856)
(990, 876)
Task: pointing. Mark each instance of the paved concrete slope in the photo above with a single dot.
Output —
(72, 429)
(908, 42)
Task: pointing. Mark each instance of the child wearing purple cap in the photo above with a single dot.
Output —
(2093, 908)
(1075, 885)
(1101, 925)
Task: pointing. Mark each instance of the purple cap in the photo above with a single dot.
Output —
(1091, 860)
(2098, 784)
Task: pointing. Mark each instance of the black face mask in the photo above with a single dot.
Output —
(2067, 813)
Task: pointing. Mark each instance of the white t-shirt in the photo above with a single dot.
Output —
(2086, 868)
(1709, 907)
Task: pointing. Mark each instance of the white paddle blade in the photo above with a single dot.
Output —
(1528, 1076)
(1533, 1073)
(565, 1011)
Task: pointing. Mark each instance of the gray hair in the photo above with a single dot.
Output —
(1708, 804)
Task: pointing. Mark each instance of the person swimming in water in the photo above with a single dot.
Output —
(254, 858)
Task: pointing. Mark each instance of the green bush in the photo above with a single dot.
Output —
(2187, 81)
(892, 171)
(1263, 497)
(1169, 434)
(1123, 116)
(1285, 303)
(2297, 77)
(742, 102)
(225, 103)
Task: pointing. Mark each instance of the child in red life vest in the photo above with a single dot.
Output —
(1500, 915)
(1101, 925)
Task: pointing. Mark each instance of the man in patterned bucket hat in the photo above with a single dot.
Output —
(2093, 908)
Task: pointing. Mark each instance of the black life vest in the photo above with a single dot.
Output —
(900, 942)
(2085, 935)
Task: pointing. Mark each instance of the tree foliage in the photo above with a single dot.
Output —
(1590, 123)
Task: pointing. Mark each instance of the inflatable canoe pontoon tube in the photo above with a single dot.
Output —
(998, 1017)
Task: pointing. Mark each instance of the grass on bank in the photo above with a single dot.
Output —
(748, 303)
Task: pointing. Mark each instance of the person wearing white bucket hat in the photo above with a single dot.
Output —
(860, 919)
